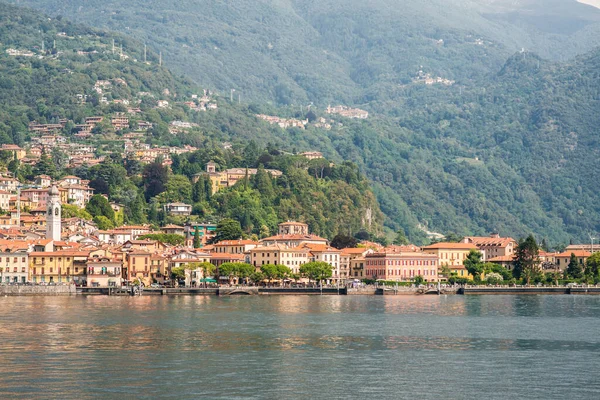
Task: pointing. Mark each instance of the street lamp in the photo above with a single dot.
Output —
(592, 238)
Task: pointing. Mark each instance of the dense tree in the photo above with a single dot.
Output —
(269, 271)
(574, 269)
(99, 206)
(240, 271)
(401, 238)
(453, 238)
(70, 211)
(592, 266)
(474, 265)
(202, 189)
(527, 263)
(136, 211)
(342, 241)
(197, 240)
(155, 178)
(316, 270)
(45, 166)
(227, 229)
(168, 238)
(178, 273)
(106, 177)
(177, 188)
(103, 223)
(207, 269)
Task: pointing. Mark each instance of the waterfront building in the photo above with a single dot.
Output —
(294, 240)
(347, 256)
(14, 265)
(221, 258)
(453, 256)
(278, 254)
(590, 247)
(563, 259)
(62, 266)
(401, 266)
(325, 253)
(104, 272)
(159, 268)
(234, 246)
(357, 267)
(493, 246)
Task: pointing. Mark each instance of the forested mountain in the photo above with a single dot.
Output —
(321, 51)
(52, 69)
(511, 146)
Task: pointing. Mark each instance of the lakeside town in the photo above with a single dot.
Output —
(41, 247)
(50, 235)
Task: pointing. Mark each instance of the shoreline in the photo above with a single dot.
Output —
(28, 291)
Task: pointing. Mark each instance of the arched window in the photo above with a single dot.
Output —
(56, 211)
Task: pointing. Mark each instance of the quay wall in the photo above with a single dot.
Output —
(361, 291)
(528, 290)
(313, 291)
(35, 290)
(222, 291)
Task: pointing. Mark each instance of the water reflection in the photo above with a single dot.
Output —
(284, 346)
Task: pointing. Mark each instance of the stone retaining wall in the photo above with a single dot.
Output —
(26, 290)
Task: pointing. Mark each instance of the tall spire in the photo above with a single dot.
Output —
(53, 215)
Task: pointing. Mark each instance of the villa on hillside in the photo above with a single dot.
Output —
(229, 177)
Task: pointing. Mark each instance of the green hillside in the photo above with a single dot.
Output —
(299, 51)
(45, 82)
(511, 148)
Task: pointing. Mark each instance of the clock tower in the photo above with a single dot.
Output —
(53, 216)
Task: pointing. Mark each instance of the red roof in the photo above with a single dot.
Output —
(448, 245)
(577, 253)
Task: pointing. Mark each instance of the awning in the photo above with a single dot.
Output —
(208, 280)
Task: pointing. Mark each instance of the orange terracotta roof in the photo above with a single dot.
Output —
(319, 247)
(227, 256)
(448, 245)
(577, 253)
(354, 250)
(508, 258)
(235, 242)
(60, 253)
(489, 241)
(294, 237)
(404, 254)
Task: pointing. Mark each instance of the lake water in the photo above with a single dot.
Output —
(296, 347)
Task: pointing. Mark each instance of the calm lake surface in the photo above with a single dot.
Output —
(295, 347)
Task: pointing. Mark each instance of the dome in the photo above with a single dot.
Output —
(53, 191)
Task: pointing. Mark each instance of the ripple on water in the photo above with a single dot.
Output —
(296, 347)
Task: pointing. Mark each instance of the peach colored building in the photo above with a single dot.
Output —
(401, 266)
(291, 257)
(493, 246)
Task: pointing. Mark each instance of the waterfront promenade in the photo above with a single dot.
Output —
(71, 290)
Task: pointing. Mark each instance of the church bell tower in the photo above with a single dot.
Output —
(53, 217)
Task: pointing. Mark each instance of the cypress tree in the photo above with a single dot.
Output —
(197, 242)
